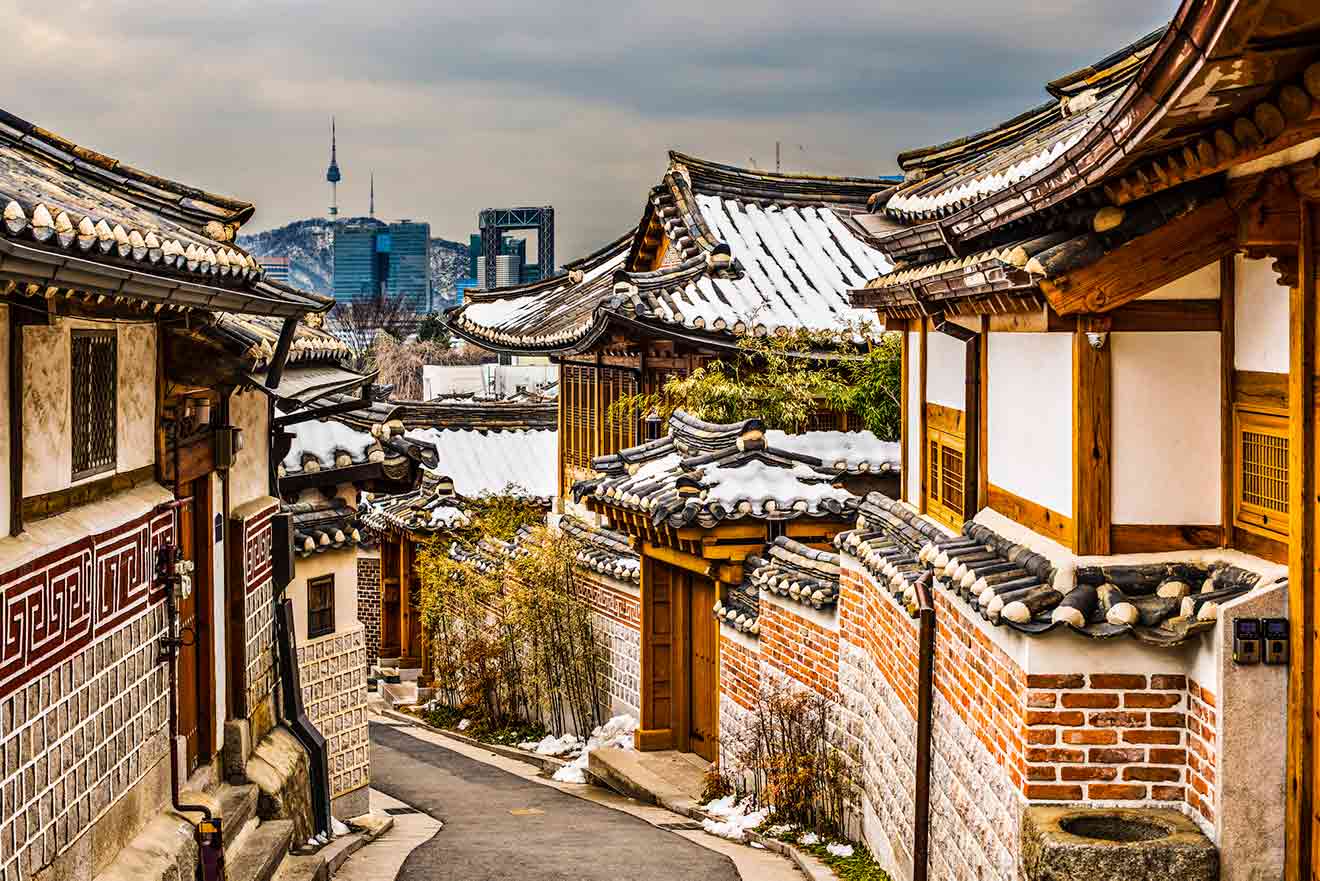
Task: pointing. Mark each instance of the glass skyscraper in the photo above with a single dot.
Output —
(372, 257)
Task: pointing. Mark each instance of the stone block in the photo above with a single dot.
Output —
(1111, 844)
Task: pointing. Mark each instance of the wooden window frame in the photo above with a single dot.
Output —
(1254, 518)
(83, 404)
(327, 583)
(939, 443)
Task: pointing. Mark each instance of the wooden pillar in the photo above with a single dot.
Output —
(1227, 394)
(923, 459)
(983, 419)
(904, 434)
(1092, 429)
(1304, 511)
(406, 647)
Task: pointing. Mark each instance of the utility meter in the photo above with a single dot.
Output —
(1276, 640)
(1246, 641)
(183, 570)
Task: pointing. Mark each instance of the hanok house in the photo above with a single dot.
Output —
(720, 252)
(482, 449)
(122, 434)
(1111, 426)
(733, 527)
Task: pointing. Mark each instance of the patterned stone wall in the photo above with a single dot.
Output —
(368, 594)
(333, 673)
(617, 619)
(254, 533)
(83, 701)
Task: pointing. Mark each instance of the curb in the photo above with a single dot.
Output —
(806, 863)
(549, 764)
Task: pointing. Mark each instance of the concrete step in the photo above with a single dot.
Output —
(667, 778)
(259, 853)
(238, 805)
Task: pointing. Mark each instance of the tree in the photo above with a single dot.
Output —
(784, 379)
(434, 330)
(357, 322)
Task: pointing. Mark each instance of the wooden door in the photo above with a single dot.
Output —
(389, 599)
(658, 649)
(188, 696)
(703, 668)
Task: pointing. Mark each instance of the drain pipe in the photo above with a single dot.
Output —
(925, 615)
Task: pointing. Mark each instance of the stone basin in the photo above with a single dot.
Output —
(1061, 843)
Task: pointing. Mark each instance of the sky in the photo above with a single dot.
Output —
(462, 106)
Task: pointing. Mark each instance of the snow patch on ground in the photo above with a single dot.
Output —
(617, 733)
(338, 828)
(809, 838)
(737, 818)
(840, 850)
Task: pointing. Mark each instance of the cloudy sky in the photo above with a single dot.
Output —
(460, 106)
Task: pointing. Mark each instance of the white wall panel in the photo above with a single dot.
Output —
(946, 371)
(1029, 405)
(1261, 318)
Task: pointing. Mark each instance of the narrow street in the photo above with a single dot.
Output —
(499, 826)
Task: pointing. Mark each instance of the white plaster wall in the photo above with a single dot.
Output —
(1166, 428)
(946, 371)
(136, 422)
(342, 564)
(250, 477)
(4, 422)
(1029, 410)
(1260, 318)
(1200, 284)
(915, 405)
(47, 433)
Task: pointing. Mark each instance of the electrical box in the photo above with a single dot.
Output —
(1246, 641)
(1276, 632)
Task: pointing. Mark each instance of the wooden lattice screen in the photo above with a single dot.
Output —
(1260, 469)
(945, 490)
(93, 397)
(588, 393)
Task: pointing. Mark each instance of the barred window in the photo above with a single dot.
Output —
(320, 606)
(93, 398)
(1260, 471)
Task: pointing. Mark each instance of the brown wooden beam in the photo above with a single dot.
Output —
(1142, 538)
(1146, 263)
(1203, 316)
(686, 562)
(1034, 516)
(1092, 396)
(1227, 393)
(923, 462)
(1260, 389)
(904, 435)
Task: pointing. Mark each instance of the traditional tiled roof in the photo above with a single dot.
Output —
(481, 463)
(468, 412)
(705, 473)
(428, 509)
(70, 215)
(749, 252)
(740, 607)
(259, 334)
(324, 446)
(603, 550)
(1011, 585)
(798, 572)
(1220, 85)
(325, 525)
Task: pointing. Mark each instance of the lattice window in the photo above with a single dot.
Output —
(616, 434)
(588, 393)
(1260, 470)
(93, 395)
(579, 392)
(946, 480)
(320, 606)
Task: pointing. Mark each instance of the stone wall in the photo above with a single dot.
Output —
(617, 620)
(333, 673)
(252, 532)
(83, 700)
(368, 596)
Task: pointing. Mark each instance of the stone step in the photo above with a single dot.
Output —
(259, 853)
(238, 804)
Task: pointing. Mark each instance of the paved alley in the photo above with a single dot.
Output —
(499, 826)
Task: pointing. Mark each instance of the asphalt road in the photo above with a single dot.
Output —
(498, 826)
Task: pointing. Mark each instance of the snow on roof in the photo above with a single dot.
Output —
(322, 442)
(495, 462)
(842, 450)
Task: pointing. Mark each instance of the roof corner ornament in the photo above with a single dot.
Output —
(220, 232)
(719, 260)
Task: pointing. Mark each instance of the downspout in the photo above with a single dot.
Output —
(925, 614)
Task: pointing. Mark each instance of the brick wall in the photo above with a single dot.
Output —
(740, 670)
(368, 595)
(1202, 755)
(333, 674)
(799, 647)
(1102, 737)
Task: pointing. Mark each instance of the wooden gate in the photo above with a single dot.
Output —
(658, 690)
(390, 614)
(703, 668)
(188, 692)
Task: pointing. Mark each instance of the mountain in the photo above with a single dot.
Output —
(310, 244)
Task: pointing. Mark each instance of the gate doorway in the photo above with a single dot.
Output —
(196, 661)
(680, 659)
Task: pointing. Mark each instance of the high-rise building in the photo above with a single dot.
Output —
(510, 262)
(278, 269)
(496, 223)
(394, 259)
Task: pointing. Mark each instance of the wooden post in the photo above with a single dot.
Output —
(1227, 392)
(1092, 428)
(904, 435)
(1303, 437)
(983, 418)
(923, 462)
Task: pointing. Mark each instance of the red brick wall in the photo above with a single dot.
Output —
(740, 672)
(800, 648)
(1106, 737)
(1202, 761)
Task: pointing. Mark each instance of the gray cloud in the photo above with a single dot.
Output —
(459, 106)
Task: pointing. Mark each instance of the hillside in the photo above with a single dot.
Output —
(310, 244)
